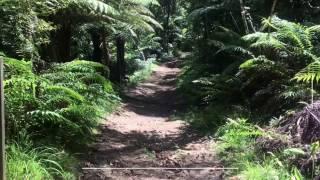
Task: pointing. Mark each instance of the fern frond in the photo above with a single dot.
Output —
(97, 6)
(66, 91)
(145, 2)
(270, 43)
(235, 50)
(53, 117)
(309, 74)
(151, 21)
(256, 62)
(254, 37)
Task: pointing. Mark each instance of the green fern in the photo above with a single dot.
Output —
(14, 67)
(309, 74)
(99, 7)
(66, 91)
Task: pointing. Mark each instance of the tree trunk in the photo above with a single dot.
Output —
(167, 26)
(235, 22)
(97, 52)
(120, 42)
(64, 43)
(106, 58)
(244, 19)
(273, 8)
(274, 5)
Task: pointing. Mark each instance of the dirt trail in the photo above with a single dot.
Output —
(142, 135)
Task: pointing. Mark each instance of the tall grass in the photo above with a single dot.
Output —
(29, 163)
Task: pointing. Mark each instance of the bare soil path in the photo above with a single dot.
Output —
(142, 135)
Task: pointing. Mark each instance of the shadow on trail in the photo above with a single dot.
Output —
(135, 143)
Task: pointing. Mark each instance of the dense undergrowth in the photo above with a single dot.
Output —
(239, 147)
(260, 79)
(58, 109)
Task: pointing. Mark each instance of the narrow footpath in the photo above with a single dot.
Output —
(142, 134)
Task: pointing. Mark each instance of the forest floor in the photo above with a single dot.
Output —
(142, 134)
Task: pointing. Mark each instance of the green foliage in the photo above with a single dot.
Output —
(269, 170)
(26, 162)
(236, 141)
(309, 74)
(95, 7)
(15, 67)
(237, 147)
(25, 165)
(64, 104)
(255, 71)
(145, 70)
(81, 66)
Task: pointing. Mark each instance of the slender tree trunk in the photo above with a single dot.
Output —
(235, 22)
(97, 52)
(167, 26)
(206, 50)
(251, 23)
(120, 42)
(65, 43)
(61, 45)
(274, 5)
(106, 58)
(2, 125)
(273, 8)
(244, 19)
